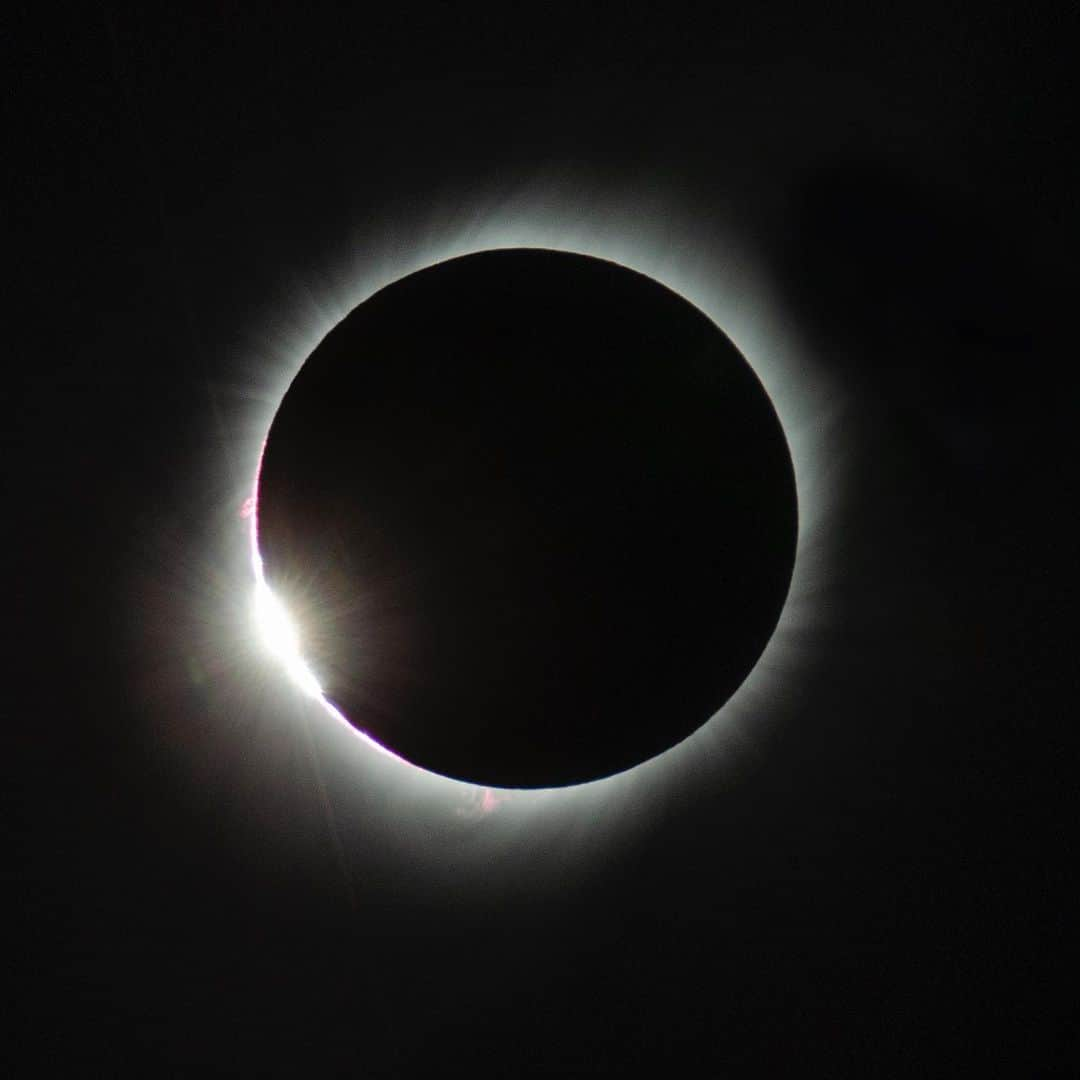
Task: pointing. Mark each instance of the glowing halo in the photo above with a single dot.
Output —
(723, 286)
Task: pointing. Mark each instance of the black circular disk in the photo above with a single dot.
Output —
(533, 514)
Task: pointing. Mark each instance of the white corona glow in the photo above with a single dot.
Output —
(724, 284)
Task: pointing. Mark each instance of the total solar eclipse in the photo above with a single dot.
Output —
(532, 515)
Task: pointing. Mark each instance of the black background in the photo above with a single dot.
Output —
(879, 887)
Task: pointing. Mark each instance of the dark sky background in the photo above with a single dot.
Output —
(876, 883)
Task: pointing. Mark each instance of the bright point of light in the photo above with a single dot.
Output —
(279, 634)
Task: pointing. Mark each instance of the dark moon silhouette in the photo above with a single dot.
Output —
(534, 515)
